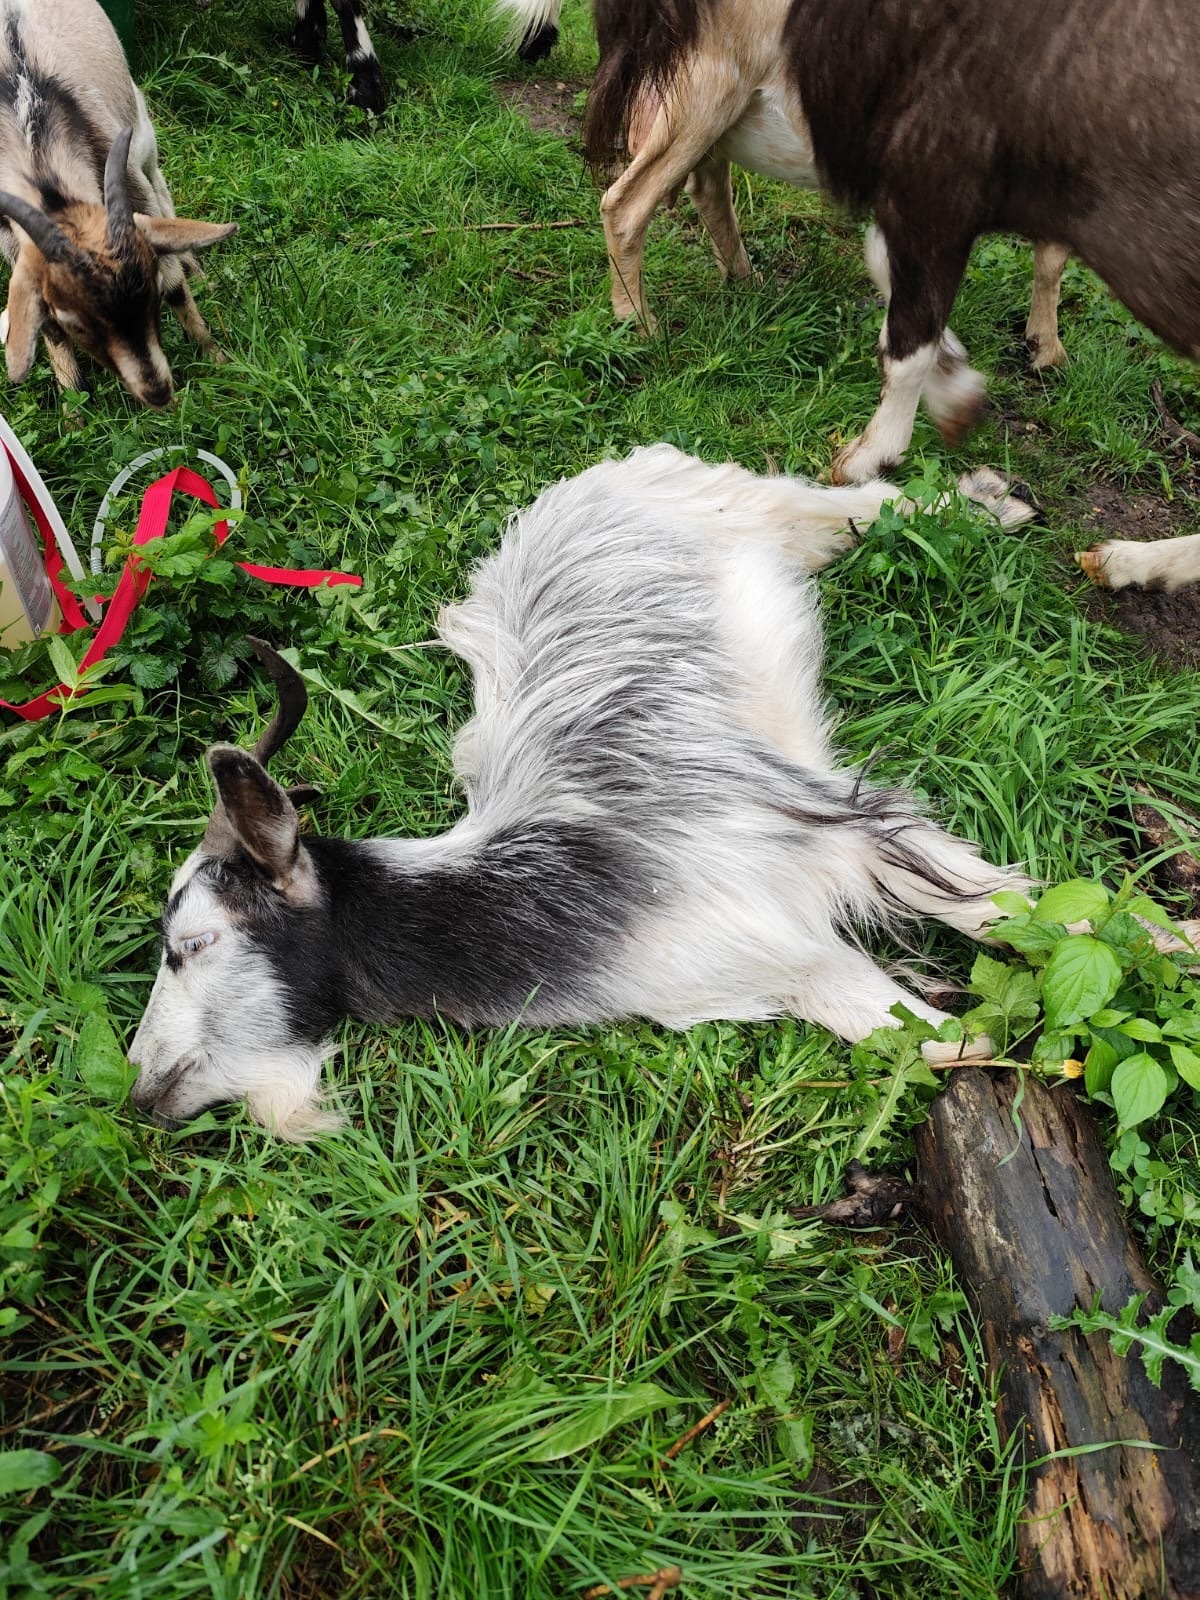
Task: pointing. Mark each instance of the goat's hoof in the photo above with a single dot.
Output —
(366, 88)
(1012, 504)
(535, 46)
(950, 1052)
(857, 462)
(961, 402)
(1093, 563)
(1043, 357)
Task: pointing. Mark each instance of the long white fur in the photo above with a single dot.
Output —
(685, 588)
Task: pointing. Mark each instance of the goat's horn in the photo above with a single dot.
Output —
(47, 235)
(293, 699)
(116, 188)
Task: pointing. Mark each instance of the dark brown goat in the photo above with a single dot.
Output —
(687, 87)
(1077, 121)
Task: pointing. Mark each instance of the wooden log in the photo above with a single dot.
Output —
(1035, 1228)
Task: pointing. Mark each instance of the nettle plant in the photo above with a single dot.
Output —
(1090, 995)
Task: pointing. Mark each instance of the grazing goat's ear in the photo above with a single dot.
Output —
(175, 236)
(25, 315)
(256, 813)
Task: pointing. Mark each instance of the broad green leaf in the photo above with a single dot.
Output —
(1138, 1088)
(1107, 1018)
(1142, 1030)
(102, 1063)
(1187, 1064)
(1011, 903)
(597, 1416)
(1077, 901)
(794, 1438)
(1081, 976)
(23, 1470)
(1098, 1067)
(63, 661)
(1142, 906)
(776, 1379)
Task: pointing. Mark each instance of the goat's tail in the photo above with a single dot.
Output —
(642, 46)
(532, 25)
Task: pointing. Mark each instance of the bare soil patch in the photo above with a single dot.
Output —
(547, 106)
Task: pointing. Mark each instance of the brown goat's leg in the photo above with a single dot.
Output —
(711, 191)
(62, 355)
(1041, 330)
(702, 105)
(185, 308)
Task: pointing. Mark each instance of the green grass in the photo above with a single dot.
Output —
(446, 1353)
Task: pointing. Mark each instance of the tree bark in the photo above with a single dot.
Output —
(1033, 1223)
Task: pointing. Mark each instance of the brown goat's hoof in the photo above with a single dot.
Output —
(1042, 358)
(1092, 563)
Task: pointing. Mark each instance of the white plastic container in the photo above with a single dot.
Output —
(27, 604)
(28, 607)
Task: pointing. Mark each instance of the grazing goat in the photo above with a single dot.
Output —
(1078, 122)
(366, 79)
(86, 220)
(686, 88)
(656, 826)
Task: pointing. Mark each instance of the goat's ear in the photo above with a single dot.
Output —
(26, 313)
(175, 236)
(261, 818)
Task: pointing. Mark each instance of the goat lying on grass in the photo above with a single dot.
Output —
(86, 219)
(656, 825)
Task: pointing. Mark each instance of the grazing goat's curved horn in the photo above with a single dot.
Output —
(116, 189)
(293, 699)
(47, 235)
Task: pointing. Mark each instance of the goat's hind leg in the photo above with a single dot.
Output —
(848, 994)
(711, 191)
(705, 99)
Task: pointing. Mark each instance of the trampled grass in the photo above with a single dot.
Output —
(447, 1353)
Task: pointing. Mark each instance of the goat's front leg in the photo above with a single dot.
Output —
(62, 355)
(366, 78)
(178, 296)
(1161, 564)
(1041, 330)
(919, 356)
(308, 36)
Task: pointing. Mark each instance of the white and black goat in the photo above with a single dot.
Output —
(685, 88)
(657, 824)
(86, 220)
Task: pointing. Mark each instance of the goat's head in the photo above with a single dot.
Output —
(95, 272)
(244, 995)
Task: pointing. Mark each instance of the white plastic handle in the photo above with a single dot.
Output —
(123, 477)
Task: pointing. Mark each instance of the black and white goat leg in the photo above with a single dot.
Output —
(366, 79)
(920, 357)
(308, 36)
(532, 26)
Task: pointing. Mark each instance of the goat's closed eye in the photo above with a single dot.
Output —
(196, 942)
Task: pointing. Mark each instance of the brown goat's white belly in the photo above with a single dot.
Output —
(771, 137)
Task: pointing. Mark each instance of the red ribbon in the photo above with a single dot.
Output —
(152, 524)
